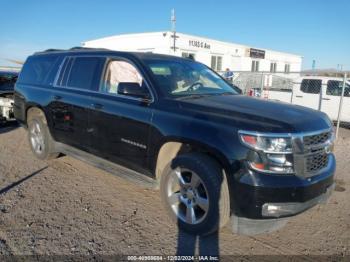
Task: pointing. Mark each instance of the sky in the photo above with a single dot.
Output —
(316, 29)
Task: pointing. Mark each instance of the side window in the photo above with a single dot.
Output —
(287, 68)
(273, 67)
(216, 63)
(304, 85)
(37, 70)
(83, 72)
(255, 66)
(67, 65)
(334, 88)
(311, 86)
(119, 71)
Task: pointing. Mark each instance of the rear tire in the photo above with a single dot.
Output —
(195, 193)
(40, 139)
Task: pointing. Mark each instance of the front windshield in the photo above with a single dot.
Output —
(179, 78)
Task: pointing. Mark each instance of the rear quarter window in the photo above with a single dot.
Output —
(39, 70)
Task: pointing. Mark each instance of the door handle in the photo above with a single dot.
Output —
(57, 97)
(299, 96)
(97, 106)
(326, 99)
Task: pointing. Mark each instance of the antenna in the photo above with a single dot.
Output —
(173, 28)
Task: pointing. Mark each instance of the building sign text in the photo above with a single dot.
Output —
(257, 53)
(199, 44)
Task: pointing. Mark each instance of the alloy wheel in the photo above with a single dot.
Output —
(187, 196)
(37, 137)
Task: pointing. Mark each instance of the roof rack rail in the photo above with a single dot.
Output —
(52, 50)
(77, 48)
(70, 49)
(87, 48)
(84, 48)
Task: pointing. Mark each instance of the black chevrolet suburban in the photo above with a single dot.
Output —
(174, 124)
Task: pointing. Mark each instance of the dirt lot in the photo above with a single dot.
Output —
(66, 207)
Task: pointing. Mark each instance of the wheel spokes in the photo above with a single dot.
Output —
(174, 199)
(37, 128)
(180, 178)
(37, 147)
(187, 196)
(195, 181)
(203, 203)
(36, 138)
(190, 215)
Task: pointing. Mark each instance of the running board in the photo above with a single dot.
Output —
(107, 166)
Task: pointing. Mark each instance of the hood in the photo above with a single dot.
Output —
(256, 114)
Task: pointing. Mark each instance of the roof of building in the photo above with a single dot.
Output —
(186, 35)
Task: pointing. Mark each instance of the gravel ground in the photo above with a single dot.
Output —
(66, 207)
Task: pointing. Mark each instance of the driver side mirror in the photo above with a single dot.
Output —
(133, 89)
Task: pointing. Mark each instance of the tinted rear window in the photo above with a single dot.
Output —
(82, 72)
(39, 70)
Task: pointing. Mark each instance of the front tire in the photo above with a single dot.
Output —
(195, 193)
(40, 140)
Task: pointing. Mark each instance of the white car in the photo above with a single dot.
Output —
(316, 92)
(7, 83)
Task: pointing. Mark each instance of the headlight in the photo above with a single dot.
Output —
(267, 143)
(270, 153)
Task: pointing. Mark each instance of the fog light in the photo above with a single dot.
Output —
(277, 210)
(271, 208)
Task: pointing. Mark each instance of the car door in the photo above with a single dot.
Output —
(120, 124)
(331, 100)
(71, 100)
(308, 93)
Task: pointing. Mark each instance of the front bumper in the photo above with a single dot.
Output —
(262, 196)
(292, 208)
(249, 227)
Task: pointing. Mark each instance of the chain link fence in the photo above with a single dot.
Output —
(329, 94)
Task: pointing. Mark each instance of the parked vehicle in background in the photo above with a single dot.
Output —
(317, 92)
(175, 124)
(255, 92)
(7, 84)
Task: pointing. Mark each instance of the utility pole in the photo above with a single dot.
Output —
(336, 72)
(339, 69)
(173, 28)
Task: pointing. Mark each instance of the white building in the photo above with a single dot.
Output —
(216, 54)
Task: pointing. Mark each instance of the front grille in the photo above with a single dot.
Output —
(316, 161)
(317, 139)
(314, 153)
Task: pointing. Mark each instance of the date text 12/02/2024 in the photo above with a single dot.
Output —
(173, 258)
